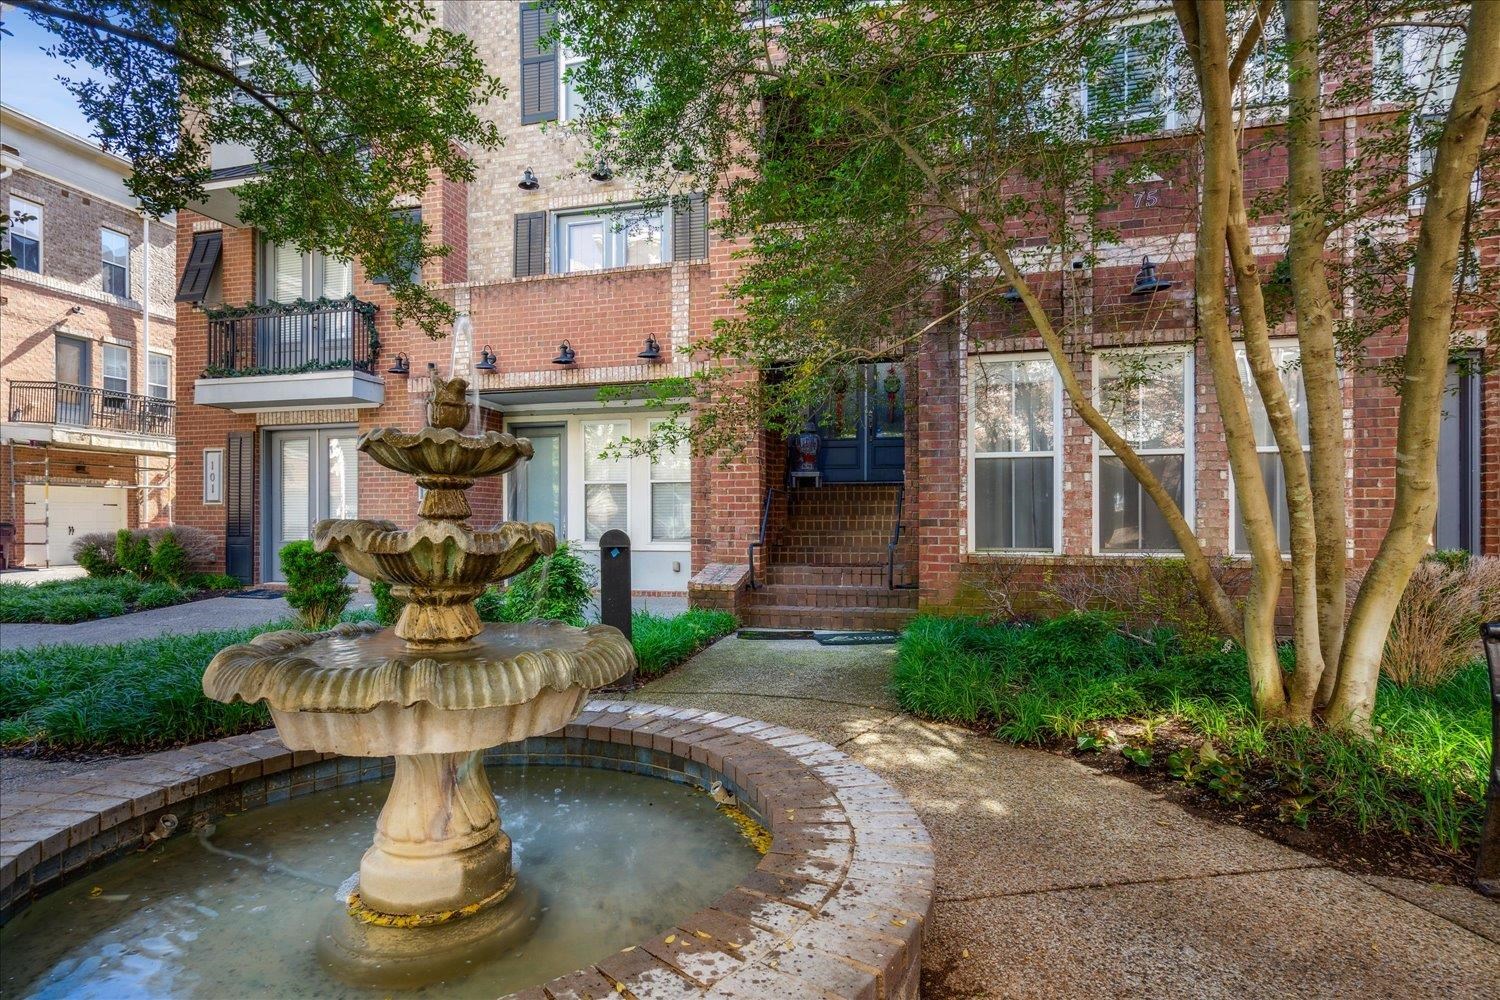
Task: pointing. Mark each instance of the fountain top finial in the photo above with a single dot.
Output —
(449, 405)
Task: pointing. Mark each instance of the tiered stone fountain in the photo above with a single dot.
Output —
(436, 888)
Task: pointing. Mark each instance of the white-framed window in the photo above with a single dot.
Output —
(1016, 426)
(1416, 62)
(25, 230)
(159, 376)
(570, 103)
(1287, 358)
(291, 274)
(590, 241)
(1263, 81)
(116, 374)
(1132, 88)
(1146, 395)
(114, 256)
(671, 492)
(606, 478)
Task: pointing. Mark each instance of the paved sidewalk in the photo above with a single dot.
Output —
(195, 616)
(1057, 881)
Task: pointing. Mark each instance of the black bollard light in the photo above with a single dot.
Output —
(1487, 868)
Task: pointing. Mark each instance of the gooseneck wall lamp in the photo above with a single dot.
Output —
(652, 350)
(565, 354)
(486, 360)
(528, 181)
(401, 366)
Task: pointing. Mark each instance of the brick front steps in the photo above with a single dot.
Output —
(837, 908)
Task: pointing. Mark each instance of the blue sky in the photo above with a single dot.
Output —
(28, 77)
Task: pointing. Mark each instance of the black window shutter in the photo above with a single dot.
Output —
(415, 215)
(531, 244)
(690, 227)
(538, 65)
(239, 506)
(199, 271)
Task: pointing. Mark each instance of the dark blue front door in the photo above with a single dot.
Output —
(864, 426)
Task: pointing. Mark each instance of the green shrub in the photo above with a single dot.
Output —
(133, 553)
(387, 605)
(556, 587)
(315, 585)
(663, 642)
(95, 552)
(169, 560)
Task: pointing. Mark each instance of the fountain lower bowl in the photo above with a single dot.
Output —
(424, 728)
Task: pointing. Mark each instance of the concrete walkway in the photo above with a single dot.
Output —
(195, 616)
(1057, 881)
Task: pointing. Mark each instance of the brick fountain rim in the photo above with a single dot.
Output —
(837, 907)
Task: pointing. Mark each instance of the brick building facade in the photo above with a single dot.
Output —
(908, 510)
(87, 348)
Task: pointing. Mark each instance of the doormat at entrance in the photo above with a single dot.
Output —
(856, 638)
(258, 594)
(775, 633)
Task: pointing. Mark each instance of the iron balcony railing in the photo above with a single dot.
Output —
(297, 338)
(68, 405)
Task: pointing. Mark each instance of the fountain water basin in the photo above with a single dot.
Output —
(437, 885)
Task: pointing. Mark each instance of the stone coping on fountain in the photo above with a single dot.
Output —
(836, 908)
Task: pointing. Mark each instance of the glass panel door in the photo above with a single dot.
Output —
(536, 488)
(313, 474)
(72, 372)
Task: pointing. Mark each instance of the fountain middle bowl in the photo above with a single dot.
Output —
(445, 451)
(361, 691)
(435, 554)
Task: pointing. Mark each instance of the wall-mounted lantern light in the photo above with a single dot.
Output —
(486, 360)
(565, 354)
(1146, 281)
(1011, 295)
(402, 365)
(602, 172)
(652, 351)
(528, 181)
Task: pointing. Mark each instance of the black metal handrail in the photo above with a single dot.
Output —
(68, 405)
(765, 520)
(890, 549)
(315, 337)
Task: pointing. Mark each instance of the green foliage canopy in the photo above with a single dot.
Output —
(349, 107)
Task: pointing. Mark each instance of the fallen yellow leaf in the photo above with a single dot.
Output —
(966, 953)
(899, 921)
(96, 890)
(670, 938)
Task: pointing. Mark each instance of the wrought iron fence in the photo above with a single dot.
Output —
(280, 340)
(69, 405)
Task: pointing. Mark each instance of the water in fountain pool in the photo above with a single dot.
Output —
(235, 912)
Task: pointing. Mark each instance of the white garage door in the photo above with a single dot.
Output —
(69, 511)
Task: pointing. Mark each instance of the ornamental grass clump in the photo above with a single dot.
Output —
(315, 585)
(1435, 632)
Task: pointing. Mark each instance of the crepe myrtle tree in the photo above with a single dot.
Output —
(889, 169)
(349, 107)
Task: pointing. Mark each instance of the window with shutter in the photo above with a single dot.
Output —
(538, 65)
(531, 244)
(690, 227)
(202, 260)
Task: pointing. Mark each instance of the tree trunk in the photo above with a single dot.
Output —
(1207, 38)
(1314, 309)
(1429, 325)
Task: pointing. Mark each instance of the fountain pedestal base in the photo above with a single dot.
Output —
(403, 957)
